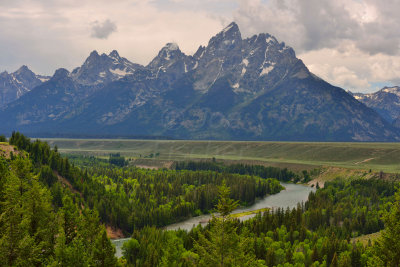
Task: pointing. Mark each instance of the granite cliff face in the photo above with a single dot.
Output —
(233, 88)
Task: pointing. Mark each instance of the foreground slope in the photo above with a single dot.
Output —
(41, 223)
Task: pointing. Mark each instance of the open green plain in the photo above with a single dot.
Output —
(375, 156)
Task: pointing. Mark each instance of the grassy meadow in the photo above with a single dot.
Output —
(375, 156)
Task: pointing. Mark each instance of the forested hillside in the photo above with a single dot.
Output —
(315, 234)
(129, 198)
(284, 175)
(133, 198)
(53, 213)
(41, 222)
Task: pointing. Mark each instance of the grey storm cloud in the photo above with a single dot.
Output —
(316, 24)
(350, 43)
(103, 29)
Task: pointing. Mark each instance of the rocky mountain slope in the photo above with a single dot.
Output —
(14, 85)
(385, 101)
(233, 88)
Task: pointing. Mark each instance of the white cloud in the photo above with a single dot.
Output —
(315, 24)
(353, 69)
(351, 43)
(50, 34)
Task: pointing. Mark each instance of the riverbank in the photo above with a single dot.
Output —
(246, 213)
(289, 197)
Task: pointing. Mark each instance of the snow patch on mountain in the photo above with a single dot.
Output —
(233, 88)
(270, 39)
(16, 84)
(393, 90)
(120, 72)
(243, 71)
(386, 102)
(43, 78)
(266, 70)
(227, 28)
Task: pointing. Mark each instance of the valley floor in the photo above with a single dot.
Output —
(295, 155)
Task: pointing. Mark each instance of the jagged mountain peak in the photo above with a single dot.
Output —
(261, 56)
(167, 56)
(94, 54)
(231, 29)
(263, 38)
(392, 90)
(102, 68)
(169, 52)
(60, 73)
(269, 42)
(200, 51)
(14, 85)
(234, 88)
(23, 68)
(171, 47)
(94, 58)
(229, 37)
(386, 102)
(114, 54)
(24, 74)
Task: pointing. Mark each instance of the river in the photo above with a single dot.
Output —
(289, 197)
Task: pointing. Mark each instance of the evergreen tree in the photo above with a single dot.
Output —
(334, 261)
(33, 232)
(27, 222)
(104, 251)
(130, 251)
(221, 245)
(388, 246)
(174, 252)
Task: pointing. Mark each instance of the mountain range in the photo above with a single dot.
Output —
(14, 85)
(385, 101)
(234, 89)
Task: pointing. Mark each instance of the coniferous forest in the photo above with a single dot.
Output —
(41, 222)
(54, 212)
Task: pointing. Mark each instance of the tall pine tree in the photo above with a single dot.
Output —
(221, 245)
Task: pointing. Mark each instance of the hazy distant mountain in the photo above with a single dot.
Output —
(14, 85)
(385, 101)
(233, 88)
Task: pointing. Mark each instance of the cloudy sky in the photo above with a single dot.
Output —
(353, 44)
